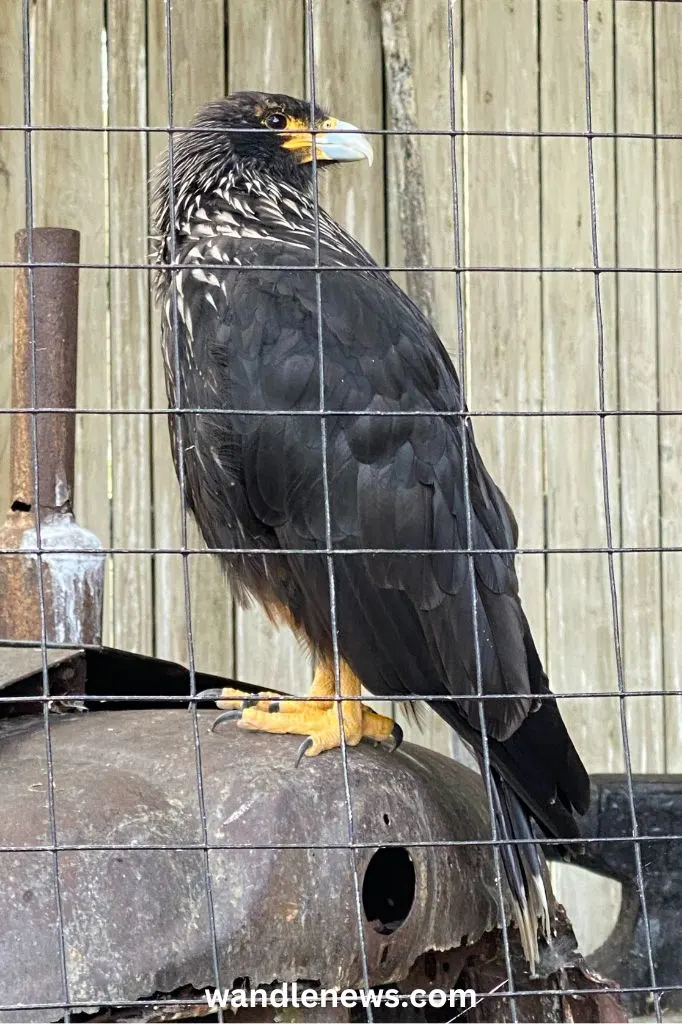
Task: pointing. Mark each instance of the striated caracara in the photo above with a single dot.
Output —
(243, 319)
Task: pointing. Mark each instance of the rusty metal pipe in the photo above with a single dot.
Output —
(55, 294)
(72, 579)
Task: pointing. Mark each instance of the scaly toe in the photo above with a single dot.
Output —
(230, 699)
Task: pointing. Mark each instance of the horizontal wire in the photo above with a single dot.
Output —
(403, 698)
(356, 844)
(341, 552)
(448, 133)
(325, 268)
(173, 410)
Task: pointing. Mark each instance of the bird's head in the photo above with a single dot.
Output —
(261, 135)
(276, 134)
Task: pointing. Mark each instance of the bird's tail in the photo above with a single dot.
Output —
(523, 865)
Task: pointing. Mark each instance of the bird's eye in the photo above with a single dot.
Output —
(276, 121)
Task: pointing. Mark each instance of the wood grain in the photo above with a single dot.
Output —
(580, 640)
(668, 35)
(504, 310)
(132, 586)
(348, 83)
(638, 385)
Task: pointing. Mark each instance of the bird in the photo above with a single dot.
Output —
(326, 451)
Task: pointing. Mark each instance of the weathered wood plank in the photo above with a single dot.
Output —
(133, 620)
(580, 631)
(427, 59)
(348, 36)
(638, 385)
(503, 325)
(11, 210)
(669, 223)
(199, 76)
(267, 53)
(427, 41)
(580, 639)
(69, 173)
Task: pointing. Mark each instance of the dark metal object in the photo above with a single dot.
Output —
(21, 670)
(72, 582)
(102, 672)
(658, 808)
(658, 799)
(136, 920)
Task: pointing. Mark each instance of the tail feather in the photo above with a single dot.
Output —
(522, 864)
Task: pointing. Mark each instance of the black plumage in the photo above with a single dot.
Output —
(248, 342)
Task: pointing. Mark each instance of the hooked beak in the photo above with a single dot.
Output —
(334, 140)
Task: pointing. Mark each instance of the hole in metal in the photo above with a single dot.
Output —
(388, 889)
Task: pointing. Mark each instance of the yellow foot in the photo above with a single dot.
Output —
(318, 720)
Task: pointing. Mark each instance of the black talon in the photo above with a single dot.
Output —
(397, 736)
(392, 742)
(273, 707)
(213, 694)
(306, 745)
(227, 716)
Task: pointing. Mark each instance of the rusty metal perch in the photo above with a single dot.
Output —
(45, 339)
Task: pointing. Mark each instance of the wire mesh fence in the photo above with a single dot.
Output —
(545, 250)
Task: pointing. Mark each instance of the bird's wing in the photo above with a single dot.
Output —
(395, 482)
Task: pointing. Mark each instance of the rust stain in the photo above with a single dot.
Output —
(45, 341)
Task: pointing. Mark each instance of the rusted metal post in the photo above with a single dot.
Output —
(72, 567)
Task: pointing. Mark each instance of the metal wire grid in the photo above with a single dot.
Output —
(353, 846)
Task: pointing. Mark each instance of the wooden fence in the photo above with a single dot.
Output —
(531, 338)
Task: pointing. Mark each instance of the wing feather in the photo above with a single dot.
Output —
(406, 622)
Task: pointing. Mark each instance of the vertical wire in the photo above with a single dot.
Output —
(464, 422)
(310, 30)
(543, 362)
(28, 183)
(151, 312)
(110, 581)
(180, 461)
(657, 336)
(607, 514)
(619, 571)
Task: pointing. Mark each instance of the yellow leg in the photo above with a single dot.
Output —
(317, 719)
